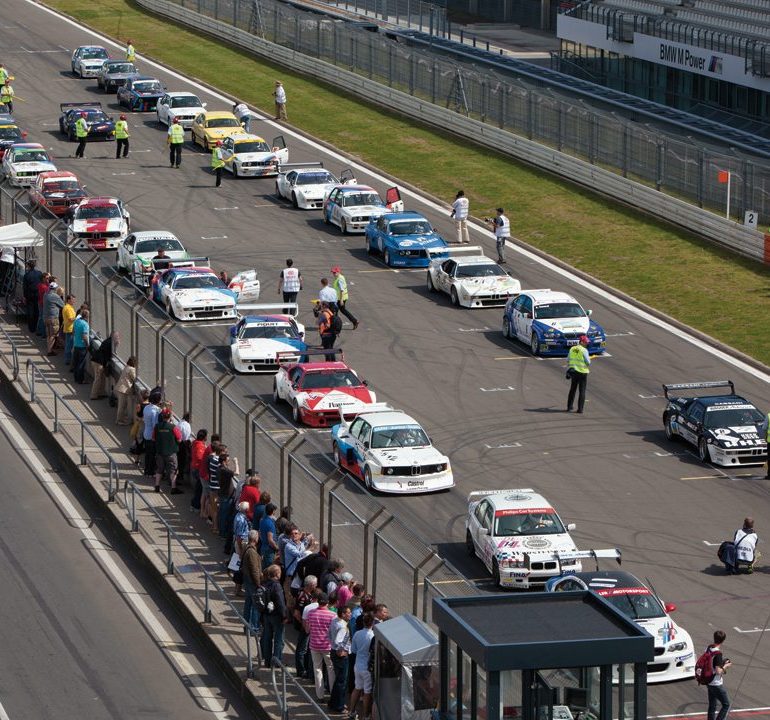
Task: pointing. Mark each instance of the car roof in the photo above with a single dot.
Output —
(191, 271)
(474, 260)
(90, 47)
(611, 578)
(408, 215)
(548, 296)
(391, 417)
(181, 93)
(356, 188)
(318, 366)
(218, 114)
(257, 319)
(154, 235)
(57, 175)
(27, 146)
(309, 170)
(244, 137)
(100, 201)
(516, 498)
(144, 78)
(725, 400)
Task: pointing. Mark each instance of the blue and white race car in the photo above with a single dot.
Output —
(100, 125)
(259, 342)
(87, 60)
(551, 322)
(140, 93)
(403, 239)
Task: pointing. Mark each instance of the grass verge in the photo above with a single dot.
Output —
(701, 285)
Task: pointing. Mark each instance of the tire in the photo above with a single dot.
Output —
(703, 452)
(506, 328)
(670, 436)
(278, 192)
(276, 396)
(431, 286)
(343, 227)
(294, 201)
(368, 478)
(235, 172)
(170, 310)
(386, 257)
(496, 573)
(295, 414)
(455, 298)
(326, 219)
(534, 345)
(81, 73)
(470, 549)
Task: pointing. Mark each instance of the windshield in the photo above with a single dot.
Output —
(30, 156)
(491, 270)
(559, 310)
(147, 87)
(410, 227)
(363, 198)
(732, 417)
(9, 133)
(167, 244)
(191, 282)
(96, 117)
(62, 186)
(528, 522)
(120, 68)
(315, 178)
(636, 603)
(407, 436)
(90, 212)
(252, 146)
(222, 122)
(267, 332)
(185, 101)
(330, 379)
(94, 53)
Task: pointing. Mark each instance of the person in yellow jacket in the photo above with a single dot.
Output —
(218, 161)
(81, 133)
(578, 362)
(130, 52)
(175, 140)
(5, 76)
(340, 285)
(121, 135)
(6, 96)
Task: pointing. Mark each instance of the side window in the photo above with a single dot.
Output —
(446, 265)
(355, 428)
(518, 302)
(488, 517)
(292, 177)
(526, 305)
(295, 376)
(381, 224)
(365, 431)
(697, 412)
(480, 511)
(333, 195)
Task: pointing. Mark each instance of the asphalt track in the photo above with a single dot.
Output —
(495, 409)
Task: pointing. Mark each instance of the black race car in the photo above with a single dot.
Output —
(725, 428)
(100, 126)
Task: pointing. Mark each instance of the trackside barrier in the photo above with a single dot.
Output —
(565, 138)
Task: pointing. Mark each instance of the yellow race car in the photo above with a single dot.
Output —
(208, 127)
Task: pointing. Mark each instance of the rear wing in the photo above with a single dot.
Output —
(347, 177)
(478, 494)
(331, 354)
(698, 386)
(285, 167)
(451, 250)
(84, 105)
(278, 308)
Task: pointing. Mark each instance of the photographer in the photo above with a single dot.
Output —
(501, 226)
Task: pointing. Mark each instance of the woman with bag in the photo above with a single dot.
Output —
(124, 389)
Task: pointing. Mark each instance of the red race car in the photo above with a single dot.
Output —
(319, 391)
(57, 192)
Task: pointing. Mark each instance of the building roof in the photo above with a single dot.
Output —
(409, 639)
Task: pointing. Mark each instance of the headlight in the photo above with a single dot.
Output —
(511, 563)
(677, 647)
(388, 471)
(441, 467)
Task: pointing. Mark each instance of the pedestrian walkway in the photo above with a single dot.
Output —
(174, 540)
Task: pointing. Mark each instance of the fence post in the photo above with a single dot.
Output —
(412, 71)
(248, 445)
(625, 150)
(375, 552)
(367, 525)
(159, 333)
(135, 307)
(110, 485)
(284, 451)
(206, 606)
(134, 519)
(659, 161)
(701, 175)
(216, 405)
(221, 386)
(322, 498)
(433, 74)
(530, 114)
(55, 413)
(187, 372)
(329, 536)
(83, 457)
(416, 581)
(170, 562)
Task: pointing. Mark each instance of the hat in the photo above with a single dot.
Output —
(122, 117)
(83, 113)
(336, 269)
(583, 340)
(165, 413)
(346, 577)
(176, 119)
(252, 471)
(219, 142)
(53, 286)
(277, 82)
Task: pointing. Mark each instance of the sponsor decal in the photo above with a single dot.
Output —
(612, 592)
(523, 511)
(667, 632)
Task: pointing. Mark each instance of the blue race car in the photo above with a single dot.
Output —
(259, 343)
(403, 239)
(140, 93)
(100, 126)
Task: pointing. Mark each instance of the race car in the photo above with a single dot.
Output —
(210, 126)
(135, 254)
(114, 73)
(87, 60)
(305, 186)
(197, 293)
(258, 341)
(471, 281)
(551, 322)
(250, 156)
(23, 162)
(351, 207)
(403, 239)
(318, 391)
(140, 93)
(58, 192)
(100, 126)
(521, 539)
(182, 105)
(724, 427)
(9, 133)
(390, 452)
(100, 223)
(674, 649)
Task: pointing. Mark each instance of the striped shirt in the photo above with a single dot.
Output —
(319, 621)
(213, 468)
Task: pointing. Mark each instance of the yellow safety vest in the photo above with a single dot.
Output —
(121, 129)
(130, 54)
(4, 75)
(576, 360)
(216, 158)
(6, 94)
(176, 133)
(341, 286)
(81, 128)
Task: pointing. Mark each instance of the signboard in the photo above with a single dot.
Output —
(751, 219)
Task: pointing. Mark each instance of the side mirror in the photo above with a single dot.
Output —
(233, 331)
(571, 527)
(669, 607)
(365, 382)
(366, 444)
(589, 312)
(204, 104)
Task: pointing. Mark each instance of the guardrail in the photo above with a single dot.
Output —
(14, 354)
(288, 679)
(590, 174)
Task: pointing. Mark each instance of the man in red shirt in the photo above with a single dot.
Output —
(42, 288)
(250, 493)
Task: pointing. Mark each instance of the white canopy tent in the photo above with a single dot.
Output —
(19, 235)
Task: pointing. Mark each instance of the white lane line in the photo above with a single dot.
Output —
(226, 208)
(215, 237)
(753, 630)
(507, 388)
(503, 446)
(3, 715)
(697, 714)
(595, 289)
(198, 688)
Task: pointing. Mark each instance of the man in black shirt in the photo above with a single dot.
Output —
(716, 689)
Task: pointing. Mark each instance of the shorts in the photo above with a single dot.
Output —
(166, 465)
(363, 681)
(52, 326)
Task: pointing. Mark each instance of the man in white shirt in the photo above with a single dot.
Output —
(460, 215)
(501, 226)
(290, 282)
(745, 542)
(280, 101)
(242, 112)
(328, 294)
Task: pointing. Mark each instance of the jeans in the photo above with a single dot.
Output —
(246, 123)
(339, 688)
(225, 506)
(249, 611)
(500, 245)
(302, 660)
(33, 311)
(197, 490)
(578, 382)
(40, 328)
(268, 555)
(149, 457)
(175, 154)
(68, 340)
(320, 658)
(717, 693)
(79, 359)
(272, 638)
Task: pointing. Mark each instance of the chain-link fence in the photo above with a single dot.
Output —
(673, 164)
(380, 551)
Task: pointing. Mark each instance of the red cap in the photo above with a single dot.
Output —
(122, 117)
(83, 114)
(219, 142)
(176, 119)
(165, 413)
(336, 269)
(584, 340)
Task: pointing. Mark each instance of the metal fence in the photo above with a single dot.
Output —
(381, 552)
(676, 165)
(427, 16)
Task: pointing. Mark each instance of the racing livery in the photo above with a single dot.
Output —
(135, 255)
(100, 223)
(521, 539)
(181, 105)
(23, 162)
(114, 73)
(100, 126)
(9, 133)
(57, 192)
(140, 93)
(250, 156)
(351, 207)
(87, 60)
(319, 391)
(674, 649)
(474, 281)
(305, 186)
(390, 452)
(724, 428)
(551, 322)
(404, 239)
(259, 342)
(210, 126)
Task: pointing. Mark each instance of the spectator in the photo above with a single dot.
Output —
(317, 626)
(80, 341)
(332, 577)
(302, 659)
(197, 452)
(203, 471)
(150, 417)
(381, 613)
(272, 619)
(42, 288)
(340, 641)
(53, 304)
(68, 320)
(360, 647)
(252, 579)
(460, 215)
(166, 440)
(240, 539)
(124, 389)
(344, 591)
(293, 552)
(29, 284)
(280, 101)
(100, 364)
(228, 469)
(367, 606)
(259, 511)
(268, 535)
(284, 520)
(315, 563)
(213, 472)
(250, 493)
(185, 445)
(136, 433)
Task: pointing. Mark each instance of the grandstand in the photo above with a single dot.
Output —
(706, 57)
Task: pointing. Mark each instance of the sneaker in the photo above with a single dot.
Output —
(157, 488)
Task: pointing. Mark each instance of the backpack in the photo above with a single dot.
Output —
(704, 667)
(261, 598)
(336, 325)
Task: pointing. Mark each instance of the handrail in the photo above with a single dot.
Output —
(14, 353)
(280, 697)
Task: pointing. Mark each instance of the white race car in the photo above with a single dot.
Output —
(250, 156)
(182, 105)
(306, 186)
(474, 281)
(262, 339)
(100, 223)
(135, 254)
(23, 162)
(390, 452)
(521, 539)
(351, 206)
(87, 60)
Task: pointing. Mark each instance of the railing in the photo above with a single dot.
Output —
(287, 679)
(14, 354)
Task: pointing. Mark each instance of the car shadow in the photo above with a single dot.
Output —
(684, 453)
(546, 410)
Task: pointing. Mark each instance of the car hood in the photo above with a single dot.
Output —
(33, 166)
(349, 399)
(665, 631)
(255, 156)
(312, 191)
(220, 132)
(70, 194)
(414, 242)
(502, 284)
(513, 546)
(118, 75)
(185, 111)
(408, 456)
(267, 348)
(92, 63)
(565, 325)
(98, 225)
(737, 436)
(193, 297)
(365, 210)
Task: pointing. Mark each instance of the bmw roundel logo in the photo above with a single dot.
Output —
(519, 497)
(537, 543)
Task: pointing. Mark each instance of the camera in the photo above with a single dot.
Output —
(489, 219)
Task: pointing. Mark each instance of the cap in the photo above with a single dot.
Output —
(176, 119)
(165, 413)
(336, 269)
(277, 82)
(219, 142)
(346, 577)
(583, 340)
(53, 286)
(122, 117)
(83, 114)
